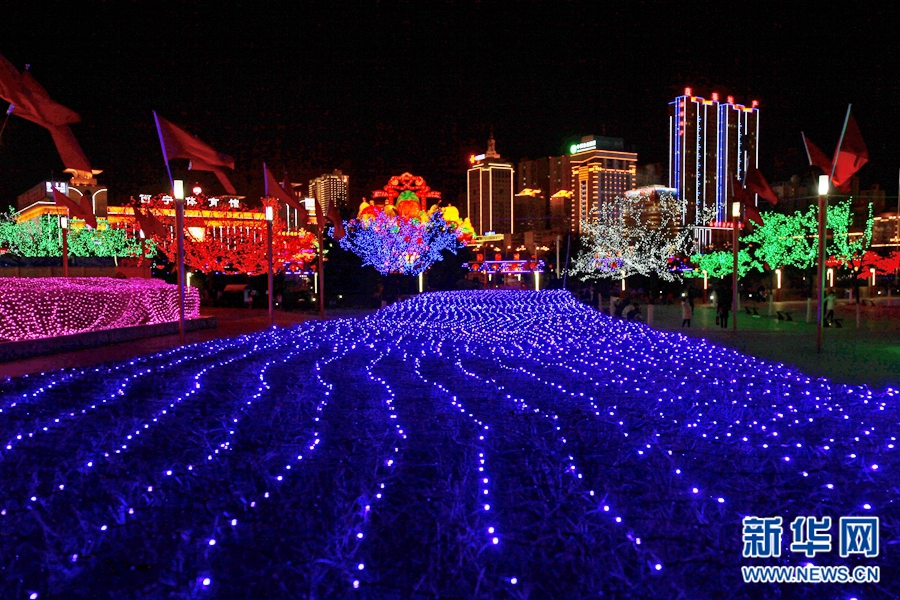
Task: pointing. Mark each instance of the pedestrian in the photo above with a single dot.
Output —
(687, 313)
(829, 308)
(724, 309)
(714, 300)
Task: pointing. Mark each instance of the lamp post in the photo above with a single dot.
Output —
(321, 273)
(178, 190)
(820, 262)
(270, 216)
(64, 226)
(735, 221)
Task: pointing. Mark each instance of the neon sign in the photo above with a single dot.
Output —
(583, 147)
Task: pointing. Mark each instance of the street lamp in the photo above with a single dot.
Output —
(270, 216)
(178, 192)
(64, 226)
(735, 220)
(820, 263)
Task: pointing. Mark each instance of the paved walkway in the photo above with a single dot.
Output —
(869, 354)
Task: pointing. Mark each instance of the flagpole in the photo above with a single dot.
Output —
(162, 145)
(319, 227)
(270, 215)
(735, 217)
(824, 182)
(65, 243)
(837, 150)
(178, 192)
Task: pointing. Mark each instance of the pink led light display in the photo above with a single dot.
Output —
(54, 306)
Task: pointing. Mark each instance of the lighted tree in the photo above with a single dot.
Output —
(721, 264)
(224, 235)
(620, 240)
(43, 237)
(883, 265)
(401, 235)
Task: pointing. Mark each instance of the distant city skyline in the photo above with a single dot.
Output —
(377, 89)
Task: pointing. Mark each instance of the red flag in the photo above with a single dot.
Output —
(52, 112)
(302, 213)
(275, 190)
(751, 214)
(742, 195)
(31, 101)
(816, 157)
(196, 165)
(757, 184)
(320, 218)
(150, 225)
(335, 217)
(851, 155)
(178, 143)
(69, 149)
(75, 209)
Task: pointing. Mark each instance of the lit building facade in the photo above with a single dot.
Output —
(489, 192)
(601, 172)
(709, 141)
(545, 178)
(330, 187)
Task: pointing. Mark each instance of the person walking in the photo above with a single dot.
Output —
(724, 308)
(687, 313)
(829, 308)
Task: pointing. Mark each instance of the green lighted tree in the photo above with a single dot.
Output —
(43, 237)
(786, 240)
(721, 264)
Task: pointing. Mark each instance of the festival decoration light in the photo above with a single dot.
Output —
(721, 264)
(599, 431)
(226, 235)
(43, 237)
(52, 306)
(401, 236)
(620, 240)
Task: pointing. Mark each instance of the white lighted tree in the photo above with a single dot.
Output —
(636, 235)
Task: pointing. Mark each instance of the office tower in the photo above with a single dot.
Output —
(601, 172)
(489, 199)
(709, 142)
(330, 187)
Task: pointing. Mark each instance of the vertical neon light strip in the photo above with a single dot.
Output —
(671, 150)
(700, 125)
(490, 172)
(756, 149)
(469, 196)
(512, 219)
(718, 159)
(705, 152)
(722, 214)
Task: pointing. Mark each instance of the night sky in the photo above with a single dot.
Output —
(310, 87)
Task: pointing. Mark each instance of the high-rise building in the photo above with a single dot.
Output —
(489, 198)
(709, 142)
(330, 187)
(550, 176)
(601, 172)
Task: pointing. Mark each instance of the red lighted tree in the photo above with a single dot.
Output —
(223, 234)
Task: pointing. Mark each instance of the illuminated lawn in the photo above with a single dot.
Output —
(463, 445)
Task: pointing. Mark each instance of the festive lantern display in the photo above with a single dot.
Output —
(42, 237)
(224, 234)
(401, 235)
(54, 306)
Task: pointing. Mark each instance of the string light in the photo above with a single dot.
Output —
(619, 418)
(32, 308)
